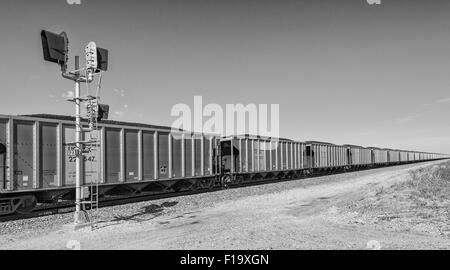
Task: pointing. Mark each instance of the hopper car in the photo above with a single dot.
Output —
(37, 163)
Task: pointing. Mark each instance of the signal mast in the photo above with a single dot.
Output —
(56, 50)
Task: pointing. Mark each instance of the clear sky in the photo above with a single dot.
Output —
(342, 71)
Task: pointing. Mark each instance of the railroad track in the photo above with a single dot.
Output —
(67, 207)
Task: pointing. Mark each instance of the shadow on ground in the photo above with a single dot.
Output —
(146, 213)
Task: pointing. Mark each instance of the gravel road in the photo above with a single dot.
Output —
(299, 214)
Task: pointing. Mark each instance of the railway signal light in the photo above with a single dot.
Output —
(96, 58)
(91, 56)
(102, 112)
(102, 59)
(97, 111)
(55, 48)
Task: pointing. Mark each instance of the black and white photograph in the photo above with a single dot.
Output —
(226, 131)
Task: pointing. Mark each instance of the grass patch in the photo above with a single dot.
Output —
(420, 203)
(429, 184)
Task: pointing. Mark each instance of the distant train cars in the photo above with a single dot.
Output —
(254, 158)
(37, 163)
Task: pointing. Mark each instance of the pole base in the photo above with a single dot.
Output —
(81, 220)
(76, 226)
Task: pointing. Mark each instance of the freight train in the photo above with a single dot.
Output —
(37, 163)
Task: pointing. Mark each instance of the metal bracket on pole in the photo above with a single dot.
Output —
(86, 98)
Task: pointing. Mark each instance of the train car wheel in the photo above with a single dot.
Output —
(225, 180)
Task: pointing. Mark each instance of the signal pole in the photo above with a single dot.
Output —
(79, 150)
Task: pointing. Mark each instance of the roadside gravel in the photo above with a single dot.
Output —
(148, 210)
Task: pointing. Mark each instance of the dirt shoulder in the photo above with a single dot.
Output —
(357, 212)
(419, 204)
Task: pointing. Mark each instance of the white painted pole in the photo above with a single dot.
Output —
(77, 215)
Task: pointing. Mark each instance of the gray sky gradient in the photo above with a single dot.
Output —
(342, 71)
